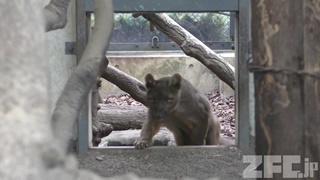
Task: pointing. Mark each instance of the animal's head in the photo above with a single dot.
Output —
(162, 95)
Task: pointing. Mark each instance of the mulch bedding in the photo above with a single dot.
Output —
(224, 109)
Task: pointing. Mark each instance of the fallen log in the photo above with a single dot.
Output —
(123, 117)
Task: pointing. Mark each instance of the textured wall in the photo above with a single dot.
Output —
(61, 64)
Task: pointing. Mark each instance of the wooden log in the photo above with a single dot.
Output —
(311, 83)
(123, 117)
(278, 45)
(127, 83)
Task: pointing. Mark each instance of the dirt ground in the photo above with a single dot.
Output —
(173, 162)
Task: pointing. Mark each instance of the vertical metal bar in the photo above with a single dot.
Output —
(242, 74)
(81, 41)
(232, 24)
(83, 124)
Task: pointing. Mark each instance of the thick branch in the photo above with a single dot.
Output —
(193, 47)
(127, 83)
(56, 14)
(91, 65)
(123, 117)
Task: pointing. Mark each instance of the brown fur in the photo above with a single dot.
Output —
(174, 103)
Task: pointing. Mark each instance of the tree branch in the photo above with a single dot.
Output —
(92, 63)
(193, 47)
(56, 14)
(127, 83)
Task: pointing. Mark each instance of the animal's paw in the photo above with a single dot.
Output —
(142, 144)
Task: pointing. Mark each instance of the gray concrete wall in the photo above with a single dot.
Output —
(138, 64)
(224, 89)
(61, 65)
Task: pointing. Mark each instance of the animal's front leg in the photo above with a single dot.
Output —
(199, 133)
(149, 129)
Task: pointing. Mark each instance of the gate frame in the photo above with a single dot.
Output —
(240, 10)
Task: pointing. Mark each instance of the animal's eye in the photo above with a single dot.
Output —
(169, 100)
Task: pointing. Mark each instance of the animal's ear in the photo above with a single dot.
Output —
(150, 82)
(175, 81)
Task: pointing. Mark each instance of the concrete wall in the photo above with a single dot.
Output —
(61, 65)
(138, 64)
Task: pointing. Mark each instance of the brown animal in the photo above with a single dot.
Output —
(174, 103)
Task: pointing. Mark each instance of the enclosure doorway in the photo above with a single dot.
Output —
(239, 11)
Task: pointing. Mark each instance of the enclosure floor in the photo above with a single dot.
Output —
(167, 162)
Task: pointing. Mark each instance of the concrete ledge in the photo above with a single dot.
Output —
(200, 162)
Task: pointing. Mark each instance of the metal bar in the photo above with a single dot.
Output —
(70, 46)
(81, 41)
(232, 23)
(82, 129)
(158, 148)
(126, 6)
(242, 75)
(164, 46)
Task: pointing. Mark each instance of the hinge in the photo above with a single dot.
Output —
(70, 48)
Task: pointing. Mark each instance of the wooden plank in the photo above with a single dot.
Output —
(311, 84)
(242, 74)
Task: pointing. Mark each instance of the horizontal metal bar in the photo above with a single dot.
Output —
(164, 46)
(147, 46)
(127, 6)
(160, 148)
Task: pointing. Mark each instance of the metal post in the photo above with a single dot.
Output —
(82, 23)
(242, 74)
(232, 24)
